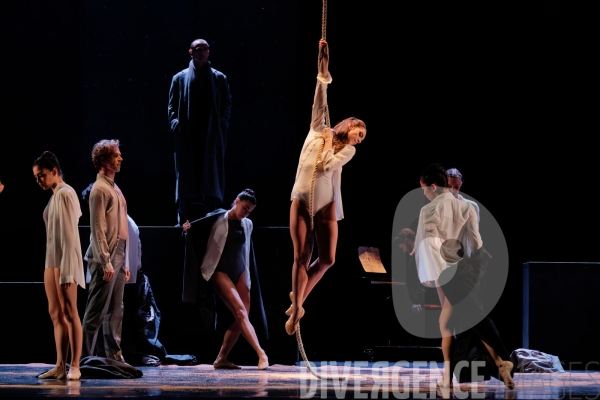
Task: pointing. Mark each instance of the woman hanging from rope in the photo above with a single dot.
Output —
(316, 197)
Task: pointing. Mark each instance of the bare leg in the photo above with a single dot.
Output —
(235, 329)
(505, 367)
(55, 309)
(299, 230)
(229, 339)
(68, 297)
(232, 297)
(440, 293)
(447, 338)
(326, 232)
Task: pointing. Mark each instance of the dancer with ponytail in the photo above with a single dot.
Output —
(227, 263)
(64, 265)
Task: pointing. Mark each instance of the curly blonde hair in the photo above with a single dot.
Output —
(102, 151)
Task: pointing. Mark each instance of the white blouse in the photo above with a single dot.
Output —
(443, 219)
(329, 162)
(63, 247)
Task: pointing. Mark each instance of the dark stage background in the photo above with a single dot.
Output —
(501, 90)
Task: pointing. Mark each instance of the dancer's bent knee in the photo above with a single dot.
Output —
(302, 262)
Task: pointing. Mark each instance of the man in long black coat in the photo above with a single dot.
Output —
(199, 111)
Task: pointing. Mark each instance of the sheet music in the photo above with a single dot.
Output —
(370, 259)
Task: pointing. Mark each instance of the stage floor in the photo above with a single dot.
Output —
(362, 380)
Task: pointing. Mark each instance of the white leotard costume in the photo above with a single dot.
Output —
(329, 167)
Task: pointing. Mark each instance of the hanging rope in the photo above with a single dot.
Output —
(324, 21)
(311, 198)
(312, 371)
(328, 124)
(324, 37)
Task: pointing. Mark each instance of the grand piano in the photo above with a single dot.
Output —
(383, 301)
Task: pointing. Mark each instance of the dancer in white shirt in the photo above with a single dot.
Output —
(324, 153)
(64, 265)
(449, 251)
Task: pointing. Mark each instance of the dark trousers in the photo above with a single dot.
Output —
(104, 309)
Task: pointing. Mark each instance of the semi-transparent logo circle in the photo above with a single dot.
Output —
(472, 279)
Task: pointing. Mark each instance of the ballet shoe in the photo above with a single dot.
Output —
(288, 312)
(54, 373)
(291, 326)
(224, 364)
(74, 374)
(263, 362)
(507, 371)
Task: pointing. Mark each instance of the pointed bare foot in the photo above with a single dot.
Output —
(292, 323)
(506, 371)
